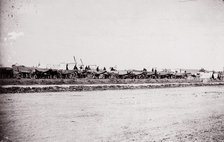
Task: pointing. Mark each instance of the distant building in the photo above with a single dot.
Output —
(191, 71)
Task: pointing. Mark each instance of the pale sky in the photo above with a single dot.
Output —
(127, 33)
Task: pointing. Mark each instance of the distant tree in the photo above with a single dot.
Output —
(202, 70)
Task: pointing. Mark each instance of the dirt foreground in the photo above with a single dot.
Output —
(147, 115)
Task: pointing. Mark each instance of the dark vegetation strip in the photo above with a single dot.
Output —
(101, 87)
(91, 81)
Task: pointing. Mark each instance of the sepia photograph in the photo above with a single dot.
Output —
(111, 70)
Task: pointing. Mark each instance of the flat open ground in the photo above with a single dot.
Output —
(168, 114)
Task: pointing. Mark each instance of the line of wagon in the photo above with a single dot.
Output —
(20, 71)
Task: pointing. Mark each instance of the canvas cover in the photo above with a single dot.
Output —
(23, 69)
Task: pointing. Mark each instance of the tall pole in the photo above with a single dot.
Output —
(81, 62)
(75, 60)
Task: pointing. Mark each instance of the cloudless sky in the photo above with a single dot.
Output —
(127, 33)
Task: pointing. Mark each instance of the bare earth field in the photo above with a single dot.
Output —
(167, 114)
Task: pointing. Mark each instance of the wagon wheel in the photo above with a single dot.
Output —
(106, 76)
(90, 76)
(34, 76)
(137, 77)
(142, 76)
(113, 76)
(59, 76)
(75, 75)
(21, 75)
(29, 76)
(72, 75)
(101, 76)
(69, 76)
(17, 75)
(54, 76)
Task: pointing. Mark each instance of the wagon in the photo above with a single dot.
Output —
(94, 74)
(138, 74)
(6, 72)
(164, 74)
(45, 73)
(180, 75)
(151, 75)
(120, 74)
(22, 71)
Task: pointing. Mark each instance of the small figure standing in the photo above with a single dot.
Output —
(213, 77)
(75, 68)
(112, 69)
